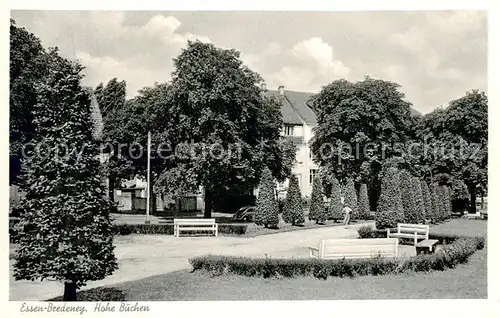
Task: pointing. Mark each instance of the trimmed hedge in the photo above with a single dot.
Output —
(168, 229)
(456, 253)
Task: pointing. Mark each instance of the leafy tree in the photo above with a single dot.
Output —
(317, 210)
(116, 115)
(427, 200)
(351, 199)
(364, 205)
(390, 208)
(459, 139)
(267, 206)
(65, 226)
(354, 116)
(215, 107)
(335, 205)
(27, 68)
(419, 201)
(293, 212)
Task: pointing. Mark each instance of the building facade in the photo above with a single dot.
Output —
(299, 122)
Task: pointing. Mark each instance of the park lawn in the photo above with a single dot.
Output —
(462, 226)
(466, 281)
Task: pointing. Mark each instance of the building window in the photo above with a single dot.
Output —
(312, 175)
(288, 130)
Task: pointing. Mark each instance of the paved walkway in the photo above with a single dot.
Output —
(141, 256)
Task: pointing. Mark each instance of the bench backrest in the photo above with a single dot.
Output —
(420, 229)
(194, 221)
(358, 248)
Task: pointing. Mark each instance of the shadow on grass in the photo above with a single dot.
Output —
(97, 294)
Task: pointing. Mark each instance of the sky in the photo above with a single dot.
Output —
(436, 56)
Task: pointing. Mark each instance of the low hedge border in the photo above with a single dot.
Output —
(168, 229)
(160, 229)
(453, 254)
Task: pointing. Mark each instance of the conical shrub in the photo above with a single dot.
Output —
(419, 201)
(267, 211)
(427, 201)
(292, 210)
(351, 199)
(335, 205)
(435, 204)
(390, 208)
(364, 203)
(408, 198)
(317, 209)
(447, 193)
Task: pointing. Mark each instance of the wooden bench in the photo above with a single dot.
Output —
(355, 248)
(424, 245)
(414, 231)
(187, 225)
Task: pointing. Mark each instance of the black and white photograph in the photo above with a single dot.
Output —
(162, 155)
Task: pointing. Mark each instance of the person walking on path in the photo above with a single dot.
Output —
(347, 214)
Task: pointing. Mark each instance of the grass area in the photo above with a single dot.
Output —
(462, 226)
(466, 281)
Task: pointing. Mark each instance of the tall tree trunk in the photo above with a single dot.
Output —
(472, 190)
(69, 291)
(208, 204)
(153, 207)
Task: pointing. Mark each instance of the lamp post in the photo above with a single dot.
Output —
(148, 180)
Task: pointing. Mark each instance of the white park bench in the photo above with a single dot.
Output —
(187, 225)
(411, 231)
(355, 248)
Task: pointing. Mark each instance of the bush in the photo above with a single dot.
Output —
(408, 198)
(456, 253)
(292, 211)
(267, 206)
(441, 201)
(317, 209)
(447, 196)
(351, 199)
(390, 208)
(168, 229)
(435, 205)
(366, 232)
(419, 201)
(427, 200)
(364, 203)
(335, 205)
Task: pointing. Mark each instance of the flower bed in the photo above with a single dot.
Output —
(451, 255)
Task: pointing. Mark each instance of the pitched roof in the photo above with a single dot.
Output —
(294, 108)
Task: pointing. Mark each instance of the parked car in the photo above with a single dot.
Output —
(245, 214)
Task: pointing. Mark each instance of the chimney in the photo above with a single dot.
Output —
(282, 90)
(263, 87)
